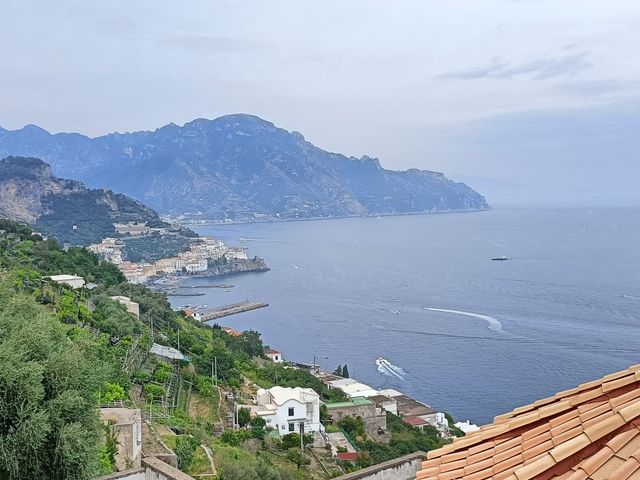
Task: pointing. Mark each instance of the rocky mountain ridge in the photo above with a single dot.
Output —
(64, 209)
(239, 167)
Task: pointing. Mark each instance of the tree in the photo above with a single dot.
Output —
(109, 449)
(258, 425)
(338, 371)
(296, 456)
(48, 395)
(345, 371)
(353, 426)
(244, 416)
(186, 446)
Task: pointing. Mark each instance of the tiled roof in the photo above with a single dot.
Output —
(414, 421)
(589, 432)
(349, 456)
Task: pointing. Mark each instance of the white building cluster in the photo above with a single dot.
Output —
(109, 249)
(198, 258)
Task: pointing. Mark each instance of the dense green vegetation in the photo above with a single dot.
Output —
(154, 247)
(76, 342)
(64, 352)
(277, 374)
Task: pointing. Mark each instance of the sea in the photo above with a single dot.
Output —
(462, 333)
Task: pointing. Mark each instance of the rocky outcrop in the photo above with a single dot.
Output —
(64, 209)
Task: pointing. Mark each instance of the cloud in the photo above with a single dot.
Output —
(539, 69)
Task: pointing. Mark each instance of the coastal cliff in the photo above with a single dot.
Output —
(255, 264)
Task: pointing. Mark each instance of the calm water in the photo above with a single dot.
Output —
(565, 310)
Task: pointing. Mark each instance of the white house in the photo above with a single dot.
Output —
(286, 408)
(467, 427)
(274, 356)
(72, 280)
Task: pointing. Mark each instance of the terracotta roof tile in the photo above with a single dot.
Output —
(534, 432)
(476, 467)
(608, 468)
(535, 441)
(604, 427)
(630, 448)
(535, 468)
(508, 464)
(593, 463)
(567, 435)
(588, 432)
(620, 440)
(532, 453)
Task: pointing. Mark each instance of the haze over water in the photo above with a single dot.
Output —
(472, 336)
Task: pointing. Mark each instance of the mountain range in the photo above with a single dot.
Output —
(61, 208)
(238, 167)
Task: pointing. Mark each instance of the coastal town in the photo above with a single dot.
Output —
(201, 256)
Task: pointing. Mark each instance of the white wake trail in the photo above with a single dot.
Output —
(387, 368)
(494, 323)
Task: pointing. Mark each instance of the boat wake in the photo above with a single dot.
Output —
(494, 324)
(294, 266)
(387, 368)
(624, 295)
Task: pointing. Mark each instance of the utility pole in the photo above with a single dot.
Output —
(215, 361)
(301, 428)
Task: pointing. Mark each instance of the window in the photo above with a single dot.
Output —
(292, 427)
(291, 411)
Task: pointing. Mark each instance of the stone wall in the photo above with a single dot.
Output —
(403, 468)
(156, 469)
(152, 469)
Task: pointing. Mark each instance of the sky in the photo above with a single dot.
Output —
(529, 101)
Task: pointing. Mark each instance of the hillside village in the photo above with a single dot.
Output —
(196, 256)
(187, 400)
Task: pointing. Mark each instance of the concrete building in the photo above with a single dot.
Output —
(386, 403)
(341, 382)
(133, 229)
(286, 409)
(197, 266)
(132, 307)
(359, 390)
(236, 253)
(410, 408)
(127, 424)
(71, 280)
(374, 417)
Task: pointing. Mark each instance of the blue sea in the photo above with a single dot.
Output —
(468, 335)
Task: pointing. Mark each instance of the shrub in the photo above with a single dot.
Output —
(234, 438)
(185, 449)
(113, 392)
(153, 390)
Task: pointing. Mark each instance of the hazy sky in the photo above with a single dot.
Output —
(528, 100)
